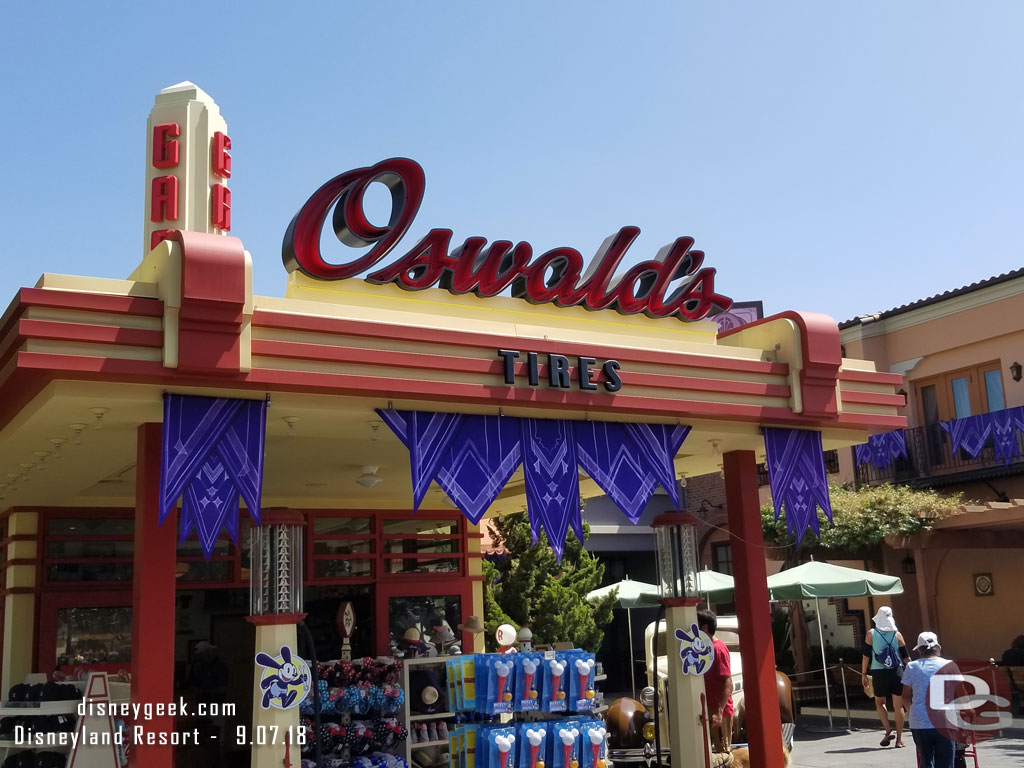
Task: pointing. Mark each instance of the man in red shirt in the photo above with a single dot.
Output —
(718, 686)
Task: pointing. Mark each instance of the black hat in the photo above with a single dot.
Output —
(19, 692)
(49, 760)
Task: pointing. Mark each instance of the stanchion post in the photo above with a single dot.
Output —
(846, 699)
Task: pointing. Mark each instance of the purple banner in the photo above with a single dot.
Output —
(971, 434)
(796, 470)
(473, 457)
(481, 459)
(609, 456)
(552, 479)
(212, 453)
(659, 444)
(882, 450)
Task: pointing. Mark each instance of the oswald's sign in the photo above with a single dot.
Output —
(673, 283)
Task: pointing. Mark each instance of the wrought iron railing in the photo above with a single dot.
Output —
(930, 455)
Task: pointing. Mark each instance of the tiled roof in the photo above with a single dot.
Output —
(864, 319)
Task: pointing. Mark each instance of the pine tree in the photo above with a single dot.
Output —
(527, 586)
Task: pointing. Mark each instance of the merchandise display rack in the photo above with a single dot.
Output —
(100, 689)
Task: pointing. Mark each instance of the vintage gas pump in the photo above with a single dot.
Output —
(282, 679)
(676, 539)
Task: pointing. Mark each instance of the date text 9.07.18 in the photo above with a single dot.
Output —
(263, 735)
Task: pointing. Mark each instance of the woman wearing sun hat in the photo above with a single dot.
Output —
(885, 651)
(934, 750)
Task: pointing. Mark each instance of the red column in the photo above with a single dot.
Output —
(152, 602)
(764, 723)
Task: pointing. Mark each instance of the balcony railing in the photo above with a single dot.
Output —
(930, 456)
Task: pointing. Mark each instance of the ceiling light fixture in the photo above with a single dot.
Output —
(57, 443)
(78, 429)
(99, 412)
(291, 421)
(369, 478)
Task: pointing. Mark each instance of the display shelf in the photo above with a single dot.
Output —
(408, 665)
(435, 716)
(422, 744)
(11, 744)
(34, 708)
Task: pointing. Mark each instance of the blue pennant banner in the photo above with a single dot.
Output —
(473, 457)
(796, 470)
(658, 445)
(609, 456)
(971, 434)
(212, 454)
(481, 459)
(882, 450)
(552, 479)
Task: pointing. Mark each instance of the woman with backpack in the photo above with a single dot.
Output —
(885, 652)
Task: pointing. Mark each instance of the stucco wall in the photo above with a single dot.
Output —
(979, 627)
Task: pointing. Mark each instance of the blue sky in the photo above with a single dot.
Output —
(840, 157)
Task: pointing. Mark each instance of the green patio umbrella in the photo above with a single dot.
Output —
(817, 580)
(632, 594)
(716, 587)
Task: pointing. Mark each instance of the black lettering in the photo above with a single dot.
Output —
(509, 356)
(531, 369)
(611, 372)
(586, 372)
(558, 371)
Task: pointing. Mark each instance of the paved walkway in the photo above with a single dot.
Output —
(814, 749)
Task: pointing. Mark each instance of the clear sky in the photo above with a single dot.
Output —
(841, 157)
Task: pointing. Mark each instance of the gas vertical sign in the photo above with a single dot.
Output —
(188, 163)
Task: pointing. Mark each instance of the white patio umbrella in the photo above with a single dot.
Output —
(817, 580)
(639, 594)
(632, 594)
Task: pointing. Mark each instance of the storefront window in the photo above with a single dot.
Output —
(90, 526)
(423, 614)
(328, 568)
(94, 635)
(322, 604)
(421, 527)
(427, 564)
(346, 526)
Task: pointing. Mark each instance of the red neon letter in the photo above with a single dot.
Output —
(221, 159)
(165, 150)
(158, 236)
(220, 207)
(164, 199)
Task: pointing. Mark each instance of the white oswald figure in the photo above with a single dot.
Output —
(506, 637)
(535, 738)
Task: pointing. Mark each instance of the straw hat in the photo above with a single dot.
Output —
(473, 624)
